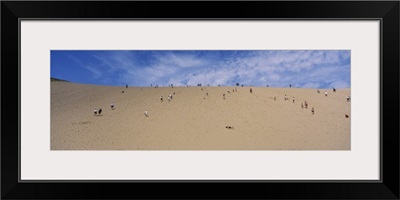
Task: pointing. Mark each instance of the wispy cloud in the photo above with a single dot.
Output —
(96, 72)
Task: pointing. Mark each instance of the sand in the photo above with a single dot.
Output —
(195, 121)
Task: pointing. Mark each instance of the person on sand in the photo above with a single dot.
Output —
(305, 104)
(293, 99)
(251, 90)
(326, 93)
(146, 113)
(302, 105)
(112, 105)
(161, 98)
(223, 96)
(207, 93)
(95, 112)
(312, 110)
(100, 111)
(274, 98)
(317, 91)
(348, 98)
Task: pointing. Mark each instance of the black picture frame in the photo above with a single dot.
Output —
(386, 11)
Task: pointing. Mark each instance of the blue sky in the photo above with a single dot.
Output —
(276, 68)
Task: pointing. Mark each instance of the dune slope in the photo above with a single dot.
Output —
(194, 121)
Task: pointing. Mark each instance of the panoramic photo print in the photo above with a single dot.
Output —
(200, 100)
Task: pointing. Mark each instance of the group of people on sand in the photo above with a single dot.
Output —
(97, 112)
(228, 91)
(326, 92)
(170, 97)
(334, 90)
(326, 95)
(286, 98)
(305, 105)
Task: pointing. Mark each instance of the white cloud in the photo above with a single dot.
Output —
(274, 77)
(180, 61)
(96, 73)
(275, 68)
(340, 84)
(311, 85)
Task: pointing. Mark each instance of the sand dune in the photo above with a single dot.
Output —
(194, 121)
